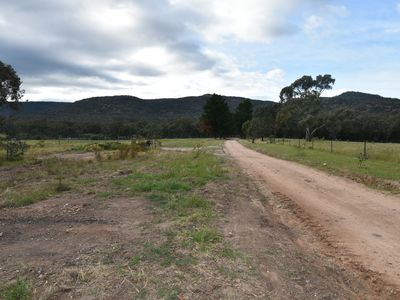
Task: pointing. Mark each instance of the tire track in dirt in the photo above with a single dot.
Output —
(358, 225)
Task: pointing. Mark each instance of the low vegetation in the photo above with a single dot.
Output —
(19, 290)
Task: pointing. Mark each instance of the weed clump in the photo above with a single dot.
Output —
(15, 149)
(19, 290)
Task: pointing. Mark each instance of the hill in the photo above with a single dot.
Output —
(352, 115)
(131, 109)
(362, 102)
(121, 108)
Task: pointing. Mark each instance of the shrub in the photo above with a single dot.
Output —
(15, 150)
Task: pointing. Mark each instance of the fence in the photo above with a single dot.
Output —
(378, 151)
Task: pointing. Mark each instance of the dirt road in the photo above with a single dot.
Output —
(362, 225)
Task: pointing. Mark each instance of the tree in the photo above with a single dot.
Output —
(306, 89)
(216, 119)
(243, 113)
(10, 85)
(263, 122)
(301, 103)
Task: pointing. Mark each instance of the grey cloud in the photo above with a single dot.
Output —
(56, 38)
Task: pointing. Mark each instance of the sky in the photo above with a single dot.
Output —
(66, 50)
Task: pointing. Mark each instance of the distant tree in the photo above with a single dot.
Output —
(10, 85)
(243, 113)
(263, 122)
(216, 118)
(306, 89)
(300, 103)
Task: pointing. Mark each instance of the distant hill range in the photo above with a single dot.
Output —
(129, 108)
(124, 108)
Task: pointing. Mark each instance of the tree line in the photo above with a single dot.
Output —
(298, 114)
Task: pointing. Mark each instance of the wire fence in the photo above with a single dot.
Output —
(370, 150)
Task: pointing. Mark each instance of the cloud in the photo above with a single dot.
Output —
(249, 21)
(313, 23)
(68, 49)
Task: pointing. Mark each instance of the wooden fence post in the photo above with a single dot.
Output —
(365, 149)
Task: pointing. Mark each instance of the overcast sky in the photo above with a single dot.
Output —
(66, 50)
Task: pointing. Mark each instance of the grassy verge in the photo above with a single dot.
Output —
(374, 173)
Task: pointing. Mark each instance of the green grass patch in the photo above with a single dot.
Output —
(20, 290)
(173, 172)
(27, 198)
(204, 237)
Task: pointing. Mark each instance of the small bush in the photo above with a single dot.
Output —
(128, 151)
(15, 150)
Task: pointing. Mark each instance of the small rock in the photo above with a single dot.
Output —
(1, 234)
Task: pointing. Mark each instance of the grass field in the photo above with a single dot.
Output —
(375, 151)
(39, 148)
(190, 143)
(382, 163)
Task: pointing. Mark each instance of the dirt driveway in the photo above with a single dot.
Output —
(359, 225)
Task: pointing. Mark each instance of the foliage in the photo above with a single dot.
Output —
(300, 103)
(263, 123)
(10, 85)
(306, 89)
(243, 113)
(216, 118)
(14, 149)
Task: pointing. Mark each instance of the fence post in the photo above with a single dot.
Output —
(365, 148)
(331, 146)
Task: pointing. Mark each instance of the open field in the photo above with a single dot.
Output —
(161, 225)
(381, 170)
(375, 151)
(191, 143)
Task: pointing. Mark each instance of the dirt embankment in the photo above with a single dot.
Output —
(359, 225)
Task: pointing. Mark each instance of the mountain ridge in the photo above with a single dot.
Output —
(130, 108)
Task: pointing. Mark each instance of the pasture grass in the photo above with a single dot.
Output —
(191, 143)
(344, 163)
(389, 152)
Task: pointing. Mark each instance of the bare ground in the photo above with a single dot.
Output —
(77, 245)
(358, 225)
